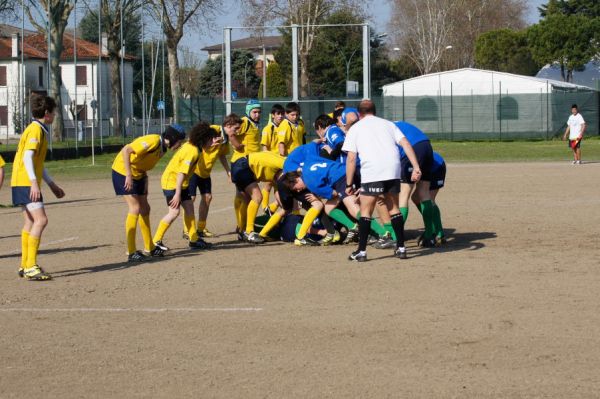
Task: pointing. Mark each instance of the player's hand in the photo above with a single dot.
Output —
(229, 177)
(416, 175)
(128, 183)
(310, 198)
(327, 148)
(57, 191)
(34, 193)
(349, 190)
(175, 201)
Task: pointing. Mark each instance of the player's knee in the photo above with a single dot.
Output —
(207, 198)
(40, 221)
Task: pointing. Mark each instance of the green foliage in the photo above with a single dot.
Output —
(132, 35)
(589, 8)
(566, 39)
(276, 84)
(244, 79)
(505, 50)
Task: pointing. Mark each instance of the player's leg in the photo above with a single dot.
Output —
(39, 221)
(166, 220)
(437, 218)
(189, 219)
(265, 191)
(406, 190)
(131, 222)
(145, 228)
(396, 218)
(367, 205)
(203, 207)
(28, 223)
(316, 206)
(253, 192)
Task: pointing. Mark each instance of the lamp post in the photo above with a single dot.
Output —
(348, 68)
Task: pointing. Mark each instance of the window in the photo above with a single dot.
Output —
(507, 108)
(41, 76)
(81, 75)
(2, 75)
(427, 110)
(3, 115)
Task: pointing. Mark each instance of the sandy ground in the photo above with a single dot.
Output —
(509, 308)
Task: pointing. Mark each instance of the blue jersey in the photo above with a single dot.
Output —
(296, 158)
(334, 137)
(438, 162)
(320, 175)
(413, 134)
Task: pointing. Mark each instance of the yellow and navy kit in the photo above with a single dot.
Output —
(265, 165)
(208, 157)
(269, 138)
(33, 138)
(2, 163)
(290, 134)
(147, 151)
(184, 161)
(249, 137)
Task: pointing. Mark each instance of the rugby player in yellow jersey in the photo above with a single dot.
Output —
(2, 163)
(175, 181)
(27, 174)
(201, 181)
(131, 181)
(268, 141)
(290, 133)
(246, 173)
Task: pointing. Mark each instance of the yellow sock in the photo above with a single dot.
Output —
(273, 206)
(251, 216)
(265, 198)
(185, 228)
(238, 203)
(144, 222)
(309, 218)
(201, 225)
(24, 245)
(190, 224)
(273, 221)
(33, 243)
(160, 231)
(130, 227)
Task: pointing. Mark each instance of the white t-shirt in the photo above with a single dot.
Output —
(374, 140)
(575, 123)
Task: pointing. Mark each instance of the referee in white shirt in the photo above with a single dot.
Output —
(374, 140)
(575, 129)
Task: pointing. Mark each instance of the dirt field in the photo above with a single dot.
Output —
(508, 309)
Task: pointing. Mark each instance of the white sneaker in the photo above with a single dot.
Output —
(574, 162)
(579, 162)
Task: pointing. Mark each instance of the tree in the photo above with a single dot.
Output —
(589, 8)
(305, 13)
(211, 78)
(505, 50)
(245, 82)
(276, 85)
(111, 25)
(57, 12)
(173, 15)
(568, 40)
(7, 8)
(189, 74)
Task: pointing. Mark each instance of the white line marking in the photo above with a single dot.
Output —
(227, 208)
(59, 241)
(123, 310)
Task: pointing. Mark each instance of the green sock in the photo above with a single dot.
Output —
(437, 221)
(377, 228)
(427, 211)
(388, 227)
(404, 212)
(339, 216)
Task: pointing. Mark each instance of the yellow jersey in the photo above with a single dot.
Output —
(33, 138)
(2, 163)
(184, 161)
(290, 134)
(147, 151)
(249, 137)
(208, 158)
(269, 138)
(265, 165)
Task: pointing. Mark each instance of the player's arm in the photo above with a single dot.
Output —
(223, 160)
(176, 201)
(567, 130)
(412, 157)
(350, 170)
(126, 154)
(235, 142)
(56, 190)
(35, 192)
(583, 127)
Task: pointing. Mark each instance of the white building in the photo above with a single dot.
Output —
(478, 104)
(82, 83)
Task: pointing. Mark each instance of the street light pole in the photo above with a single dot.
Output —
(348, 69)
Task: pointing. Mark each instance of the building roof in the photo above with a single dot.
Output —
(8, 30)
(470, 81)
(589, 76)
(35, 46)
(250, 43)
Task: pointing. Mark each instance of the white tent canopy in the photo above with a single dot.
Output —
(470, 81)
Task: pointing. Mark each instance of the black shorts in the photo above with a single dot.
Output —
(424, 154)
(377, 188)
(169, 194)
(200, 183)
(20, 195)
(438, 178)
(241, 174)
(139, 185)
(287, 196)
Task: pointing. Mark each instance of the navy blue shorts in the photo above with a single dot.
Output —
(438, 178)
(139, 186)
(376, 188)
(200, 183)
(424, 154)
(20, 195)
(241, 174)
(169, 194)
(340, 187)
